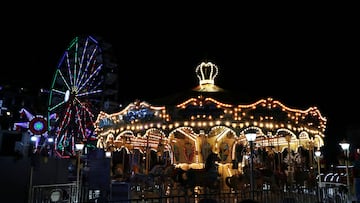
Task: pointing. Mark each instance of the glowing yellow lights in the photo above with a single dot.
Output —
(265, 115)
(206, 73)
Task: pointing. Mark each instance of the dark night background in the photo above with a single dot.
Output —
(302, 55)
(302, 59)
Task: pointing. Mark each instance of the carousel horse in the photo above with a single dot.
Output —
(304, 179)
(241, 182)
(274, 180)
(146, 181)
(207, 178)
(300, 177)
(280, 178)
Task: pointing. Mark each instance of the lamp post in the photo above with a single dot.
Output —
(318, 156)
(345, 147)
(108, 155)
(250, 137)
(79, 147)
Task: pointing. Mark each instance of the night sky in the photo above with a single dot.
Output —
(300, 62)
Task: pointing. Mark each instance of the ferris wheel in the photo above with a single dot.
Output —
(75, 95)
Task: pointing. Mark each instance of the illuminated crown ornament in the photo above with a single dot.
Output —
(206, 72)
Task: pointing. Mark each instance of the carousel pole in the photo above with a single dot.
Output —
(251, 137)
(278, 153)
(147, 155)
(290, 167)
(311, 152)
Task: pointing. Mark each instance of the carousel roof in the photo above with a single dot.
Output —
(207, 118)
(208, 102)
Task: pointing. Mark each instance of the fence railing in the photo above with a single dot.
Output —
(264, 196)
(64, 193)
(122, 193)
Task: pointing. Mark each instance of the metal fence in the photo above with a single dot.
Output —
(123, 193)
(60, 193)
(265, 196)
(286, 195)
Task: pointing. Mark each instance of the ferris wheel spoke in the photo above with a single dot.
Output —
(84, 108)
(89, 62)
(64, 80)
(77, 100)
(65, 121)
(58, 91)
(95, 73)
(96, 87)
(89, 93)
(64, 59)
(75, 59)
(80, 123)
(56, 106)
(68, 68)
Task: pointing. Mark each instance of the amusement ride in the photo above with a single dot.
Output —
(183, 129)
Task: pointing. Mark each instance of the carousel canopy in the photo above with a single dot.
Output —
(207, 108)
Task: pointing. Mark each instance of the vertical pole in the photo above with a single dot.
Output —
(319, 175)
(251, 171)
(147, 163)
(311, 153)
(290, 167)
(30, 183)
(345, 146)
(78, 178)
(123, 151)
(347, 175)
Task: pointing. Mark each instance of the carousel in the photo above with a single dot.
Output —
(182, 130)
